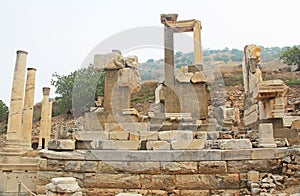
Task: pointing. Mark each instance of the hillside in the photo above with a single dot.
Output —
(153, 69)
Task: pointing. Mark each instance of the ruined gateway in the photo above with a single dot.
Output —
(178, 149)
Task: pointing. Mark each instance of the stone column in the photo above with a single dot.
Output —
(198, 58)
(16, 102)
(46, 114)
(169, 56)
(28, 109)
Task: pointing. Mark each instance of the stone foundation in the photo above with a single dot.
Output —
(193, 172)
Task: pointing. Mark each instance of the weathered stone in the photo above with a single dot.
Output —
(212, 167)
(194, 144)
(266, 138)
(243, 166)
(134, 135)
(61, 155)
(235, 144)
(194, 193)
(81, 166)
(63, 185)
(175, 135)
(253, 176)
(184, 77)
(90, 135)
(128, 194)
(236, 154)
(112, 167)
(61, 145)
(205, 181)
(263, 153)
(148, 135)
(162, 182)
(119, 135)
(158, 145)
(198, 77)
(125, 181)
(179, 167)
(116, 145)
(296, 124)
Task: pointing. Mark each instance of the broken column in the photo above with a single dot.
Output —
(16, 103)
(28, 109)
(46, 114)
(63, 186)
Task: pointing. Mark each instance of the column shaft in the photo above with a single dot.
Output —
(16, 102)
(198, 56)
(28, 109)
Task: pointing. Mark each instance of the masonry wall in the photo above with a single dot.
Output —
(226, 172)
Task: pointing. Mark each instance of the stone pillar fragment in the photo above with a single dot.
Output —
(16, 102)
(266, 138)
(28, 109)
(46, 114)
(197, 44)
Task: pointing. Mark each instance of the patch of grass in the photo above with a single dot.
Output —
(233, 79)
(292, 82)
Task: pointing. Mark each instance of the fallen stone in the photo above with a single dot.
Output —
(194, 144)
(253, 176)
(175, 135)
(158, 145)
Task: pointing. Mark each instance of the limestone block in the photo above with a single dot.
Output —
(128, 194)
(251, 118)
(154, 182)
(116, 145)
(101, 61)
(198, 77)
(90, 135)
(296, 124)
(175, 135)
(266, 138)
(148, 135)
(112, 167)
(61, 145)
(158, 145)
(268, 153)
(236, 154)
(213, 135)
(206, 181)
(253, 176)
(119, 135)
(194, 192)
(134, 135)
(235, 144)
(194, 144)
(122, 181)
(288, 120)
(184, 77)
(212, 167)
(179, 167)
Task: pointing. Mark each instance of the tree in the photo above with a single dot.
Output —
(78, 90)
(3, 111)
(291, 56)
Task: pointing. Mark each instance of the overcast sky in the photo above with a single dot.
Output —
(59, 34)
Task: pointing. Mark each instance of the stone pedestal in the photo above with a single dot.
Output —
(266, 139)
(28, 109)
(16, 103)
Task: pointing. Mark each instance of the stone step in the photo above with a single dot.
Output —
(19, 167)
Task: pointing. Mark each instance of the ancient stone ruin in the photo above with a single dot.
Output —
(184, 146)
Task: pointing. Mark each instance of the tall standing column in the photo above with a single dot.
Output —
(198, 56)
(28, 109)
(46, 114)
(16, 102)
(169, 56)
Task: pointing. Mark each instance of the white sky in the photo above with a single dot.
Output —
(58, 34)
